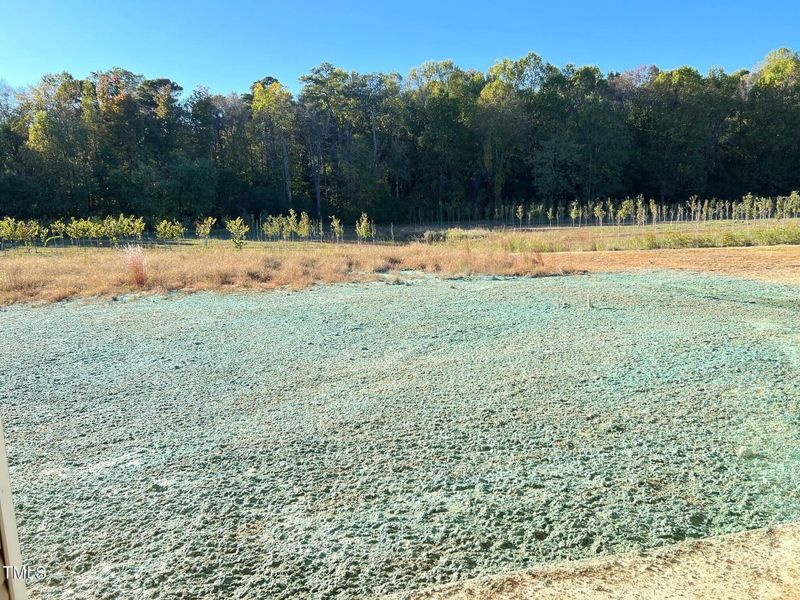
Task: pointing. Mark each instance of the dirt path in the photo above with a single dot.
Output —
(763, 564)
(773, 263)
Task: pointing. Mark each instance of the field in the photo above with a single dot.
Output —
(398, 432)
(276, 331)
(755, 249)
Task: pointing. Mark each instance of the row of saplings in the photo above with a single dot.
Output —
(129, 229)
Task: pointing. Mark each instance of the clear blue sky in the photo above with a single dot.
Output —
(226, 45)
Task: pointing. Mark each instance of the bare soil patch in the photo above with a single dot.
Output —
(764, 564)
(772, 263)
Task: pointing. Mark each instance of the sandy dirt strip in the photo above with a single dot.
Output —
(763, 564)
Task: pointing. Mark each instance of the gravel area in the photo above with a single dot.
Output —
(357, 440)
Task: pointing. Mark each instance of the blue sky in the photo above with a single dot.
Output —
(228, 45)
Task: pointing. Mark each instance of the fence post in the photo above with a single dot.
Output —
(12, 559)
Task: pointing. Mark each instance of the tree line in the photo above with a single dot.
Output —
(443, 143)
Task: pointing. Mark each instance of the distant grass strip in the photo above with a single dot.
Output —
(648, 237)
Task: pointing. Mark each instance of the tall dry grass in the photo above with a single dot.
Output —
(712, 234)
(57, 274)
(54, 275)
(135, 262)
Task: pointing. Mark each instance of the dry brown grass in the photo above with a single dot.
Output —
(57, 274)
(136, 263)
(51, 275)
(712, 234)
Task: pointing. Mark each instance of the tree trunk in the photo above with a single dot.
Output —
(286, 178)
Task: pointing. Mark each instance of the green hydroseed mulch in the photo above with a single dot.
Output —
(359, 439)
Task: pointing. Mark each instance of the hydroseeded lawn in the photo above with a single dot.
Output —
(359, 439)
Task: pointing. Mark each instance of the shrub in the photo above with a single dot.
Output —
(304, 226)
(90, 229)
(135, 227)
(641, 211)
(72, 230)
(203, 228)
(364, 228)
(337, 228)
(272, 227)
(238, 230)
(599, 213)
(574, 211)
(58, 228)
(7, 228)
(113, 228)
(290, 224)
(625, 210)
(431, 236)
(43, 233)
(169, 230)
(26, 232)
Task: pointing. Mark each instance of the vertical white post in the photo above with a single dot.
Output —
(12, 587)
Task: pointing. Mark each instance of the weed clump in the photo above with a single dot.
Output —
(133, 255)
